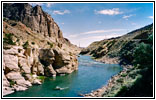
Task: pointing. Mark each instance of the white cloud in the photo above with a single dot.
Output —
(34, 4)
(61, 12)
(49, 4)
(127, 16)
(103, 31)
(151, 17)
(74, 35)
(114, 11)
(96, 32)
(101, 37)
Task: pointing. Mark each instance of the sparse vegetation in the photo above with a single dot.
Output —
(41, 78)
(8, 39)
(25, 45)
(12, 82)
(50, 44)
(4, 19)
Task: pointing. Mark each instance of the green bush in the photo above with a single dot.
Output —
(4, 19)
(12, 82)
(124, 75)
(120, 80)
(143, 56)
(25, 45)
(51, 44)
(8, 39)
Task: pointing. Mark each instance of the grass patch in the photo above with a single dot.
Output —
(41, 78)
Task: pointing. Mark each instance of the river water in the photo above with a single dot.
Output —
(91, 75)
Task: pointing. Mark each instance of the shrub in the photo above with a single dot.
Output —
(25, 45)
(8, 39)
(124, 75)
(12, 82)
(23, 74)
(120, 80)
(50, 44)
(4, 19)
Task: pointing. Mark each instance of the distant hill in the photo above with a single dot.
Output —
(121, 48)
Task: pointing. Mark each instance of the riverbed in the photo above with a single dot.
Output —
(90, 76)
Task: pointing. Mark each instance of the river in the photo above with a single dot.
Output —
(91, 75)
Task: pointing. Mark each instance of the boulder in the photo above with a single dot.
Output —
(64, 70)
(20, 83)
(11, 63)
(7, 90)
(19, 88)
(23, 83)
(14, 76)
(36, 82)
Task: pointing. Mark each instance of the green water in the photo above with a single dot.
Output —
(90, 76)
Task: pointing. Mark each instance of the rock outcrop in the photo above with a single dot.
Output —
(34, 17)
(33, 46)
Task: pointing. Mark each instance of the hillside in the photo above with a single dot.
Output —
(33, 47)
(133, 51)
(119, 49)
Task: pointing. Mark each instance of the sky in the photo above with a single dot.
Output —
(84, 23)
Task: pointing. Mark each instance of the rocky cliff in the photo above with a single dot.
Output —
(33, 47)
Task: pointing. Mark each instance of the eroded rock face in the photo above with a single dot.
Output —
(34, 17)
(49, 71)
(47, 52)
(46, 56)
(23, 66)
(6, 86)
(58, 61)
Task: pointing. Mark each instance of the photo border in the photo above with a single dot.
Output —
(80, 97)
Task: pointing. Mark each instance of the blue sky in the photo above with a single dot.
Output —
(84, 23)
